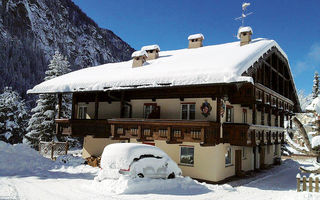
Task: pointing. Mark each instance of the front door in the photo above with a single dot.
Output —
(238, 162)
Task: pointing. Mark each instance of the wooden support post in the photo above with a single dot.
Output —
(218, 118)
(59, 113)
(122, 105)
(310, 183)
(202, 136)
(169, 135)
(139, 133)
(254, 114)
(304, 183)
(74, 108)
(67, 148)
(96, 107)
(52, 150)
(317, 184)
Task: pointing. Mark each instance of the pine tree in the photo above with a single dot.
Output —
(13, 116)
(315, 88)
(41, 125)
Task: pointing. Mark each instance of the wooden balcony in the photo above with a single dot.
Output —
(83, 127)
(237, 134)
(172, 131)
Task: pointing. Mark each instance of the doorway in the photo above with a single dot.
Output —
(238, 162)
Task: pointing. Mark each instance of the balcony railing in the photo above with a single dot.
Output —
(172, 131)
(83, 127)
(236, 134)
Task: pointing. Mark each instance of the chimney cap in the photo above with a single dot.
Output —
(150, 47)
(196, 36)
(139, 53)
(244, 29)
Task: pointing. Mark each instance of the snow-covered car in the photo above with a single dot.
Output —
(136, 160)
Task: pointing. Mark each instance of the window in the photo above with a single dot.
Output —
(244, 153)
(244, 116)
(82, 112)
(188, 111)
(148, 109)
(126, 111)
(228, 157)
(229, 112)
(187, 155)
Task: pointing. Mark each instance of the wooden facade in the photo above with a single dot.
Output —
(272, 93)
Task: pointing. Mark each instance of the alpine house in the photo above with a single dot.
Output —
(217, 110)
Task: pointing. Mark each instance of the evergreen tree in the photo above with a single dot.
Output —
(13, 117)
(315, 88)
(41, 125)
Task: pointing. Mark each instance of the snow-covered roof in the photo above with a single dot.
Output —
(139, 53)
(244, 29)
(223, 63)
(150, 47)
(196, 36)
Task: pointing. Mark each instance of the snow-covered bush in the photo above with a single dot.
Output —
(13, 116)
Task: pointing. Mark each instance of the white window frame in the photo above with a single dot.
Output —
(228, 164)
(180, 163)
(231, 113)
(245, 116)
(188, 110)
(82, 107)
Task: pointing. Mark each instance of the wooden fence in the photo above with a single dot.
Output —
(53, 149)
(310, 184)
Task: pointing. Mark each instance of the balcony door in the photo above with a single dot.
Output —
(151, 111)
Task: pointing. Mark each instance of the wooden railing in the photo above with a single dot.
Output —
(236, 134)
(83, 127)
(172, 131)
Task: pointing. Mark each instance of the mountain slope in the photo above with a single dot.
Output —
(31, 30)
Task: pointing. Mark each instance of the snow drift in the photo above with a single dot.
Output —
(21, 159)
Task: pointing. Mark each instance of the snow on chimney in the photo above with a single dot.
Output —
(195, 40)
(152, 50)
(244, 34)
(139, 58)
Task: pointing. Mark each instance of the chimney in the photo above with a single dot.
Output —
(152, 50)
(139, 58)
(244, 34)
(195, 40)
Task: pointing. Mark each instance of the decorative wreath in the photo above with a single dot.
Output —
(205, 108)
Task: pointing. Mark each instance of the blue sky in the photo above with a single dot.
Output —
(294, 24)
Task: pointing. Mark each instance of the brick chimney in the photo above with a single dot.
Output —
(244, 34)
(195, 40)
(139, 58)
(152, 50)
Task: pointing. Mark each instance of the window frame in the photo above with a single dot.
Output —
(80, 107)
(225, 156)
(150, 105)
(228, 107)
(188, 110)
(186, 164)
(244, 116)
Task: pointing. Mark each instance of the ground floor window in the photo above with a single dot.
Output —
(187, 155)
(228, 157)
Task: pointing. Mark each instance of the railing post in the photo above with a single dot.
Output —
(304, 183)
(310, 183)
(139, 133)
(52, 149)
(202, 138)
(67, 148)
(298, 182)
(317, 184)
(112, 130)
(169, 135)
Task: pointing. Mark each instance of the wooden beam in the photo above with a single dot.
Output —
(218, 119)
(59, 105)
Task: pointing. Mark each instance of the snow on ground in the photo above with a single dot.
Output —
(56, 180)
